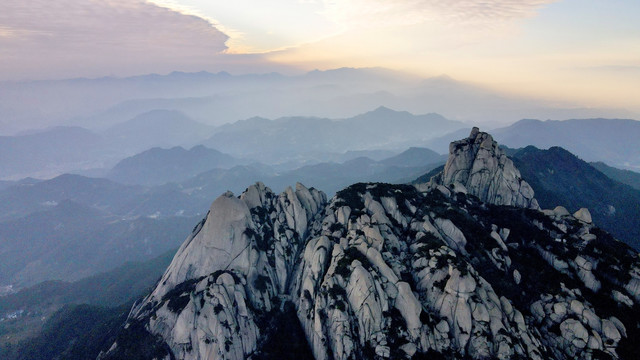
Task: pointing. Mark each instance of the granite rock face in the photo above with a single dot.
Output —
(226, 279)
(395, 272)
(478, 164)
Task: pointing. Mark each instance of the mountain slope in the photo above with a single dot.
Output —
(415, 156)
(77, 332)
(614, 141)
(126, 201)
(396, 271)
(382, 128)
(164, 128)
(560, 178)
(56, 303)
(72, 241)
(25, 198)
(628, 177)
(157, 166)
(329, 176)
(332, 177)
(49, 152)
(112, 288)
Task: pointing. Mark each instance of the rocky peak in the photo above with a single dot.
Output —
(478, 164)
(228, 275)
(393, 272)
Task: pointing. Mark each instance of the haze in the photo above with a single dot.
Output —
(583, 53)
(364, 178)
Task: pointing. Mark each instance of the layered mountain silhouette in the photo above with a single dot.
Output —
(383, 128)
(158, 166)
(157, 128)
(613, 141)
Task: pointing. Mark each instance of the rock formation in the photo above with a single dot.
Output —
(478, 164)
(396, 272)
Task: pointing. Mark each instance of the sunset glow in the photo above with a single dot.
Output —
(584, 51)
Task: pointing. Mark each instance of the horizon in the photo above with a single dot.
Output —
(583, 53)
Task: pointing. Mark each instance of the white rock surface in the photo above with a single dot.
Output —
(583, 215)
(486, 172)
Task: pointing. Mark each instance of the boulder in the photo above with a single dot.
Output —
(583, 215)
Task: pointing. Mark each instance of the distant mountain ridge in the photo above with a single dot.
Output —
(157, 128)
(415, 156)
(51, 152)
(560, 178)
(157, 166)
(614, 141)
(631, 178)
(221, 98)
(383, 128)
(284, 140)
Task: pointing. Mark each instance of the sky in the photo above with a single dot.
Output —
(585, 51)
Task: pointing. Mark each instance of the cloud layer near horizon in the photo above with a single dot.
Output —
(43, 38)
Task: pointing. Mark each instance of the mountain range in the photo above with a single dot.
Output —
(466, 266)
(613, 141)
(283, 143)
(156, 128)
(74, 215)
(383, 128)
(72, 241)
(73, 226)
(289, 143)
(47, 152)
(158, 166)
(559, 177)
(216, 99)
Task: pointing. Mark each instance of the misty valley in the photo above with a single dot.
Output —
(403, 242)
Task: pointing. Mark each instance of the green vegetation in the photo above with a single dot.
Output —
(560, 178)
(286, 339)
(178, 297)
(351, 197)
(261, 283)
(114, 288)
(628, 177)
(350, 254)
(426, 177)
(74, 332)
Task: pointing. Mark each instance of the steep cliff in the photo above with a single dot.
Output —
(486, 172)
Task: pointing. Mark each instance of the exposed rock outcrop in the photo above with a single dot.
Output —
(396, 271)
(478, 164)
(216, 297)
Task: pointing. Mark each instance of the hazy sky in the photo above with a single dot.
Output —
(583, 50)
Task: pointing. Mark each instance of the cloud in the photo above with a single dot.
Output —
(411, 12)
(426, 36)
(614, 68)
(62, 37)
